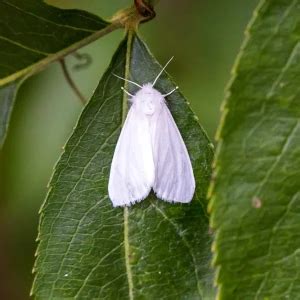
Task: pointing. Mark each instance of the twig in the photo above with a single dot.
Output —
(71, 82)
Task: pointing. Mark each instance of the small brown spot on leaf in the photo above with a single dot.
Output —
(256, 202)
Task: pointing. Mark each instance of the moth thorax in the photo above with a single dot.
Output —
(148, 100)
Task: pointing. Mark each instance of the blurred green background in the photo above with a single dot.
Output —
(204, 36)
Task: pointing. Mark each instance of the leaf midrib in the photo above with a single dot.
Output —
(126, 218)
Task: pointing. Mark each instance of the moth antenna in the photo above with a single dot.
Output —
(127, 80)
(126, 92)
(165, 95)
(162, 71)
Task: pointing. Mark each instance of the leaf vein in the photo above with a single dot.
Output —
(23, 46)
(185, 242)
(95, 268)
(278, 157)
(46, 20)
(289, 61)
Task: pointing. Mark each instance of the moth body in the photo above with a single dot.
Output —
(150, 153)
(148, 100)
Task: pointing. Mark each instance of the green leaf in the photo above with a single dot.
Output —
(7, 96)
(33, 35)
(151, 250)
(255, 201)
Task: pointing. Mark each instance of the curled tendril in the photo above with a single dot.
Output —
(84, 61)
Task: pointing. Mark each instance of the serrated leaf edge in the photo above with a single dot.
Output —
(218, 138)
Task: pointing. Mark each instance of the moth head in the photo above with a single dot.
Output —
(148, 100)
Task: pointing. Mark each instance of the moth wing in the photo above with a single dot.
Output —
(132, 169)
(174, 177)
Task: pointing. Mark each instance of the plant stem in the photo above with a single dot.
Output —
(127, 18)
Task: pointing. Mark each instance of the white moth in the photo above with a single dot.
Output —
(150, 152)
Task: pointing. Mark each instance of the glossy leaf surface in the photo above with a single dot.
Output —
(34, 34)
(256, 196)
